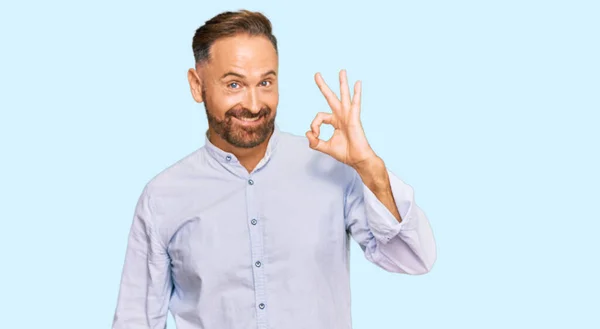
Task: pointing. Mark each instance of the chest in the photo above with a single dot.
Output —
(278, 219)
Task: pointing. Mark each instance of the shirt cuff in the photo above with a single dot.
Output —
(382, 222)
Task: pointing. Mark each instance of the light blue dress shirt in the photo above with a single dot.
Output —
(221, 248)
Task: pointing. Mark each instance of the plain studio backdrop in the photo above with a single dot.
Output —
(488, 109)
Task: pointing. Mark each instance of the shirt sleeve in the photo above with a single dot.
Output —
(400, 247)
(145, 286)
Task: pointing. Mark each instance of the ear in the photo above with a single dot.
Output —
(195, 85)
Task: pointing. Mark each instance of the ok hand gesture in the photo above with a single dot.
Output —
(348, 143)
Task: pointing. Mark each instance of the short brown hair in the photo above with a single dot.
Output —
(228, 24)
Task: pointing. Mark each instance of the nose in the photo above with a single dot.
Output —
(251, 101)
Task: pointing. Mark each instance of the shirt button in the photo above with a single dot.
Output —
(253, 222)
(251, 182)
(261, 306)
(257, 264)
(228, 158)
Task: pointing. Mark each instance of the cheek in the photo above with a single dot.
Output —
(271, 98)
(219, 103)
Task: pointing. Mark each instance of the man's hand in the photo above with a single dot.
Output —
(348, 143)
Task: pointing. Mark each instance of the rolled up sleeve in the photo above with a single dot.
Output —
(401, 247)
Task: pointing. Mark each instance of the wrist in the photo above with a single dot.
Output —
(369, 165)
(373, 173)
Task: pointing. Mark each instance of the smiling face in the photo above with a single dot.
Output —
(239, 89)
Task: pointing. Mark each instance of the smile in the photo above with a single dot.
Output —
(249, 121)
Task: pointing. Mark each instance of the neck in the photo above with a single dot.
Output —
(248, 157)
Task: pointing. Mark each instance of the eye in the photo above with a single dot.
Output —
(265, 83)
(233, 85)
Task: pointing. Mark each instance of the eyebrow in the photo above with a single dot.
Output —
(241, 76)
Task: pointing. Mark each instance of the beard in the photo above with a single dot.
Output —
(237, 135)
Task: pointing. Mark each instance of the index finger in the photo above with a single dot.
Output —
(331, 98)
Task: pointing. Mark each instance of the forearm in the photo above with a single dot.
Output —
(375, 176)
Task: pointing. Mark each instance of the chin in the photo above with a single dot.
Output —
(248, 137)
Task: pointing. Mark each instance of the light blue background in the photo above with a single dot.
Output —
(489, 109)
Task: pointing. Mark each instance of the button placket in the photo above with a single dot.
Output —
(256, 239)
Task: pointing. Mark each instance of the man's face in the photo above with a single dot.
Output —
(239, 89)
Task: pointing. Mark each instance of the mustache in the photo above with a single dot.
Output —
(245, 113)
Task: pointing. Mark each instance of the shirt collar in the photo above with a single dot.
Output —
(227, 157)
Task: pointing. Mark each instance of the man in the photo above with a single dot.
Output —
(253, 229)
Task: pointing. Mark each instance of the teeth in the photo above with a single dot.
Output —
(249, 119)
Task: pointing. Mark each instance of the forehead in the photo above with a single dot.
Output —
(243, 53)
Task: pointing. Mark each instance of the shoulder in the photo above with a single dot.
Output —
(171, 191)
(167, 189)
(175, 174)
(294, 150)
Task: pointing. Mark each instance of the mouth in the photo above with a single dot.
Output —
(249, 121)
